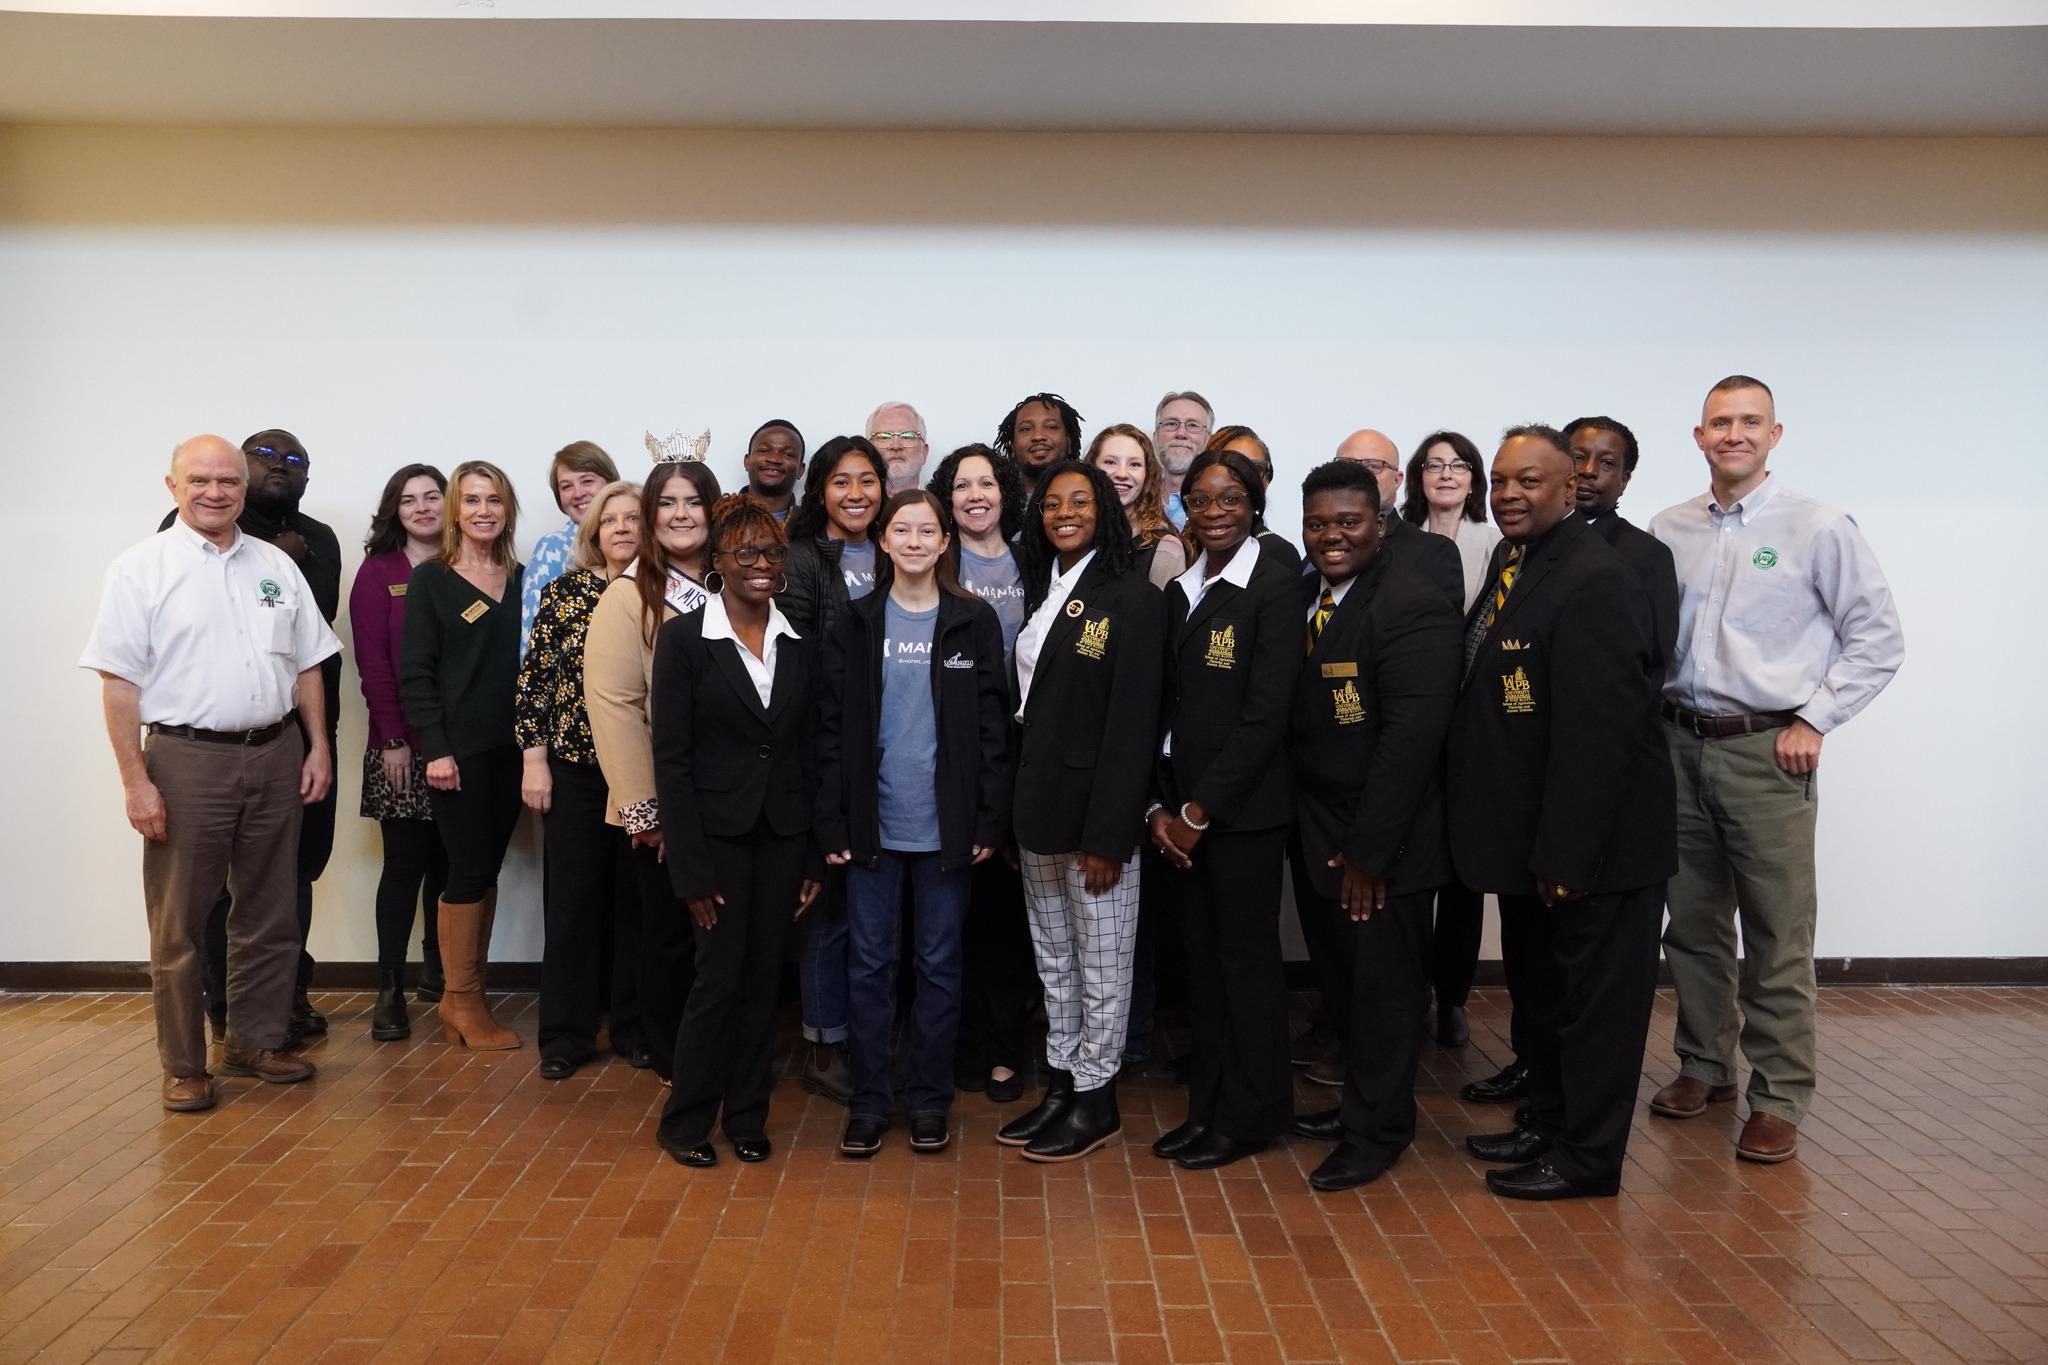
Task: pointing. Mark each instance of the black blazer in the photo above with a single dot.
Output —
(721, 761)
(1436, 557)
(1651, 560)
(1230, 671)
(1366, 737)
(1091, 725)
(970, 711)
(1557, 767)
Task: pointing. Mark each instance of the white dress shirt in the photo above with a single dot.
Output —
(1337, 592)
(214, 638)
(1238, 571)
(1781, 607)
(1031, 638)
(760, 669)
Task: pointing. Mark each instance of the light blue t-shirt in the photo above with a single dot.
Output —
(857, 563)
(1000, 583)
(907, 803)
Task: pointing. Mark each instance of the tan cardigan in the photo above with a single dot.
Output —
(618, 670)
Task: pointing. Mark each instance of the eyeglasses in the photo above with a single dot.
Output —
(1229, 502)
(290, 457)
(747, 556)
(1379, 466)
(1435, 467)
(1183, 424)
(895, 436)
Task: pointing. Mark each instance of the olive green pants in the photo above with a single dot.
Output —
(1745, 856)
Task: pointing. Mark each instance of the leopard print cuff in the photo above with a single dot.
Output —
(639, 816)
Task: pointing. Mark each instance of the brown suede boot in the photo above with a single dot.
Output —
(465, 1018)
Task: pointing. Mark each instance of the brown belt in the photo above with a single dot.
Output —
(1726, 727)
(250, 737)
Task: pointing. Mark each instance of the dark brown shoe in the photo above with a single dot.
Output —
(187, 1094)
(1688, 1098)
(1767, 1138)
(266, 1065)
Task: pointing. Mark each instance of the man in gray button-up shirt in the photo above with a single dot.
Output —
(1786, 628)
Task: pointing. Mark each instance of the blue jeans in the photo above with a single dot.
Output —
(821, 964)
(874, 897)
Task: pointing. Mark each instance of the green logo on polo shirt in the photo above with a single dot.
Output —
(1764, 558)
(271, 591)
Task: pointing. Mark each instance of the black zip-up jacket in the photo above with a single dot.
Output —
(970, 713)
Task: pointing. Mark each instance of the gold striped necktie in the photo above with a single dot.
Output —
(1325, 605)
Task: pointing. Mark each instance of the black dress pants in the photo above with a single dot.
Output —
(1381, 968)
(1239, 1080)
(1460, 920)
(668, 958)
(999, 975)
(724, 1047)
(1585, 977)
(1323, 935)
(592, 921)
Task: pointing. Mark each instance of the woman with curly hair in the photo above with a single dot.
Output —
(1125, 454)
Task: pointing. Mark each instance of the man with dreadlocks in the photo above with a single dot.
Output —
(1041, 430)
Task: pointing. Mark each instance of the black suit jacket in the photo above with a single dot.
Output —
(1366, 734)
(1084, 749)
(1434, 556)
(1557, 767)
(721, 760)
(1650, 558)
(1230, 671)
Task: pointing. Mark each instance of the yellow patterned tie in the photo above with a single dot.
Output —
(1495, 600)
(1325, 605)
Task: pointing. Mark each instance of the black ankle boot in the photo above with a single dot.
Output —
(1089, 1121)
(1059, 1093)
(389, 1022)
(432, 983)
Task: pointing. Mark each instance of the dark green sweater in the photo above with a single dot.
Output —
(457, 675)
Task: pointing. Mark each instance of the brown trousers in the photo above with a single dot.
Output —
(231, 815)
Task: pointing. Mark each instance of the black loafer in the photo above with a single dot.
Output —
(640, 1057)
(703, 1154)
(751, 1149)
(1512, 1148)
(1511, 1082)
(556, 1068)
(1319, 1127)
(1006, 1090)
(929, 1132)
(1453, 1029)
(1216, 1150)
(1539, 1180)
(1346, 1169)
(862, 1137)
(1174, 1141)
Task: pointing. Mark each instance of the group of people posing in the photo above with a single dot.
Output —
(1042, 728)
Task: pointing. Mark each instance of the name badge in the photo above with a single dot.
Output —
(1340, 670)
(474, 610)
(397, 589)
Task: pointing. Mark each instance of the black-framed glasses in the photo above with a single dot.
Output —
(747, 556)
(275, 456)
(1229, 502)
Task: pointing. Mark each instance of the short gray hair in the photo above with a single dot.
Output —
(1184, 395)
(881, 408)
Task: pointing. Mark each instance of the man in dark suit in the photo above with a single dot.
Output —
(1365, 740)
(1561, 802)
(1604, 454)
(1435, 556)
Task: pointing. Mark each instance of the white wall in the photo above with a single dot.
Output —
(399, 296)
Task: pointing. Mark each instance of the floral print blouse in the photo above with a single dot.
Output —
(548, 711)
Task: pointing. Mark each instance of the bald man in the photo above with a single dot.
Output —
(210, 639)
(1436, 556)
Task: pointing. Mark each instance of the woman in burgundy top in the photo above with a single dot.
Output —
(405, 531)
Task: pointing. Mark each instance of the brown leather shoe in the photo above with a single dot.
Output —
(265, 1065)
(188, 1094)
(1688, 1098)
(1767, 1138)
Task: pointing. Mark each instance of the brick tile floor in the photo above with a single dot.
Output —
(419, 1203)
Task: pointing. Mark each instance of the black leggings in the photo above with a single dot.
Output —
(415, 870)
(476, 822)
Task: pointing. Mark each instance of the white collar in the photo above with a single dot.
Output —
(1750, 503)
(1237, 572)
(1061, 580)
(199, 542)
(718, 626)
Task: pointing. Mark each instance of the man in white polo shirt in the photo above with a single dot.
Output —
(207, 637)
